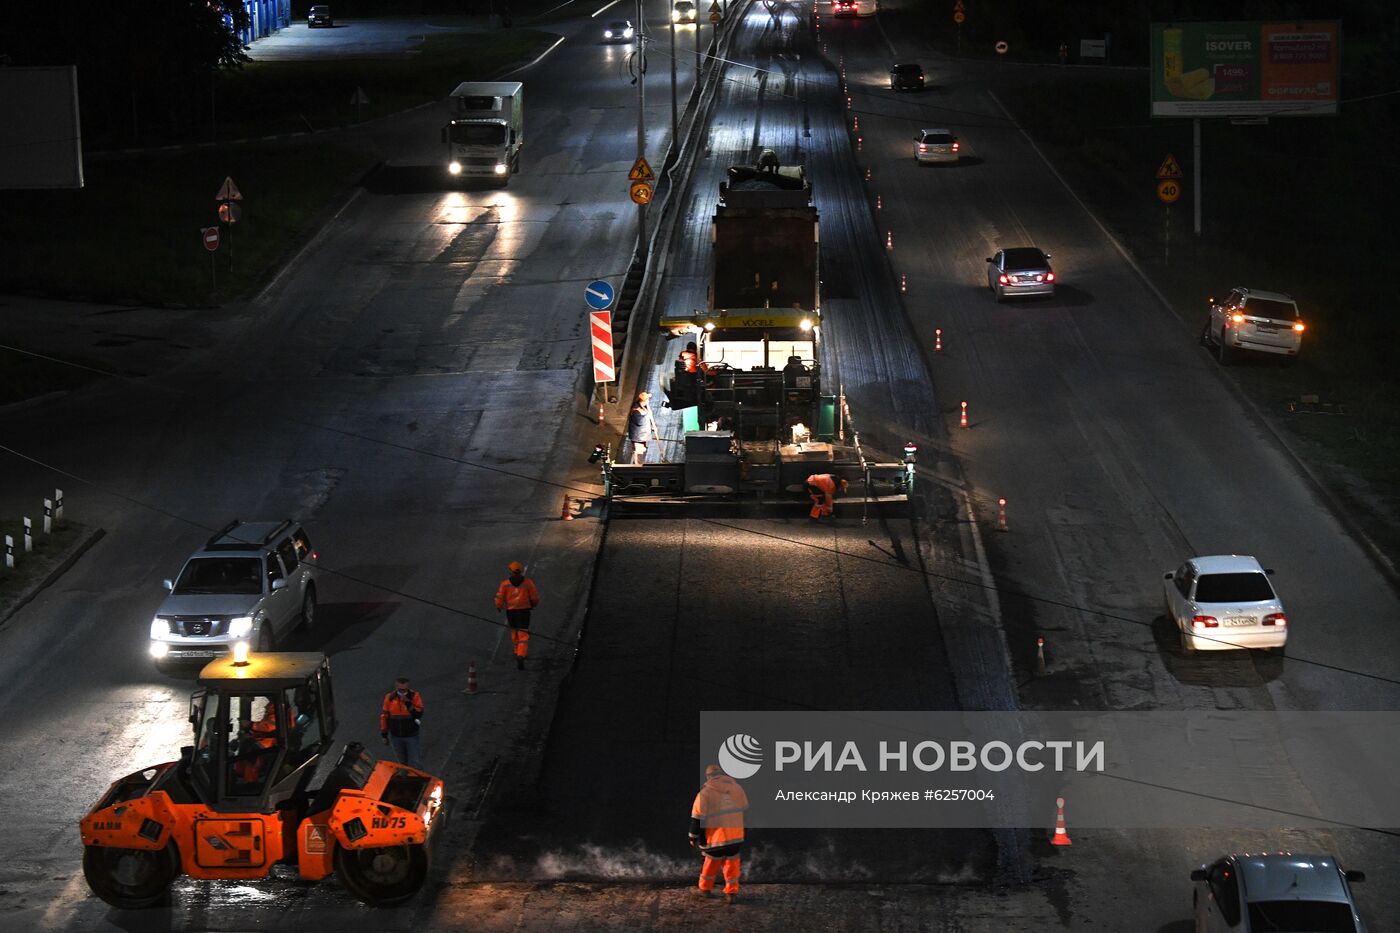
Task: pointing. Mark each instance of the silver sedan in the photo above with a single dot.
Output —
(1023, 270)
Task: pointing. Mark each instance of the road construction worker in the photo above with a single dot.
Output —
(822, 487)
(641, 428)
(690, 358)
(251, 765)
(717, 830)
(401, 721)
(517, 596)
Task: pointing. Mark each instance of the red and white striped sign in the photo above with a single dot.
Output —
(600, 326)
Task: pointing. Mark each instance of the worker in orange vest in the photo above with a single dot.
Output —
(690, 358)
(717, 830)
(517, 596)
(401, 722)
(822, 487)
(261, 735)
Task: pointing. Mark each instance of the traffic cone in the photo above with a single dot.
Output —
(1040, 655)
(904, 285)
(1061, 838)
(600, 412)
(962, 420)
(567, 514)
(889, 239)
(1001, 515)
(471, 678)
(879, 204)
(938, 340)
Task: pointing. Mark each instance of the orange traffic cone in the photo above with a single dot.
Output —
(567, 514)
(471, 678)
(1061, 838)
(962, 421)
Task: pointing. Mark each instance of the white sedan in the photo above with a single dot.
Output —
(1224, 602)
(1246, 893)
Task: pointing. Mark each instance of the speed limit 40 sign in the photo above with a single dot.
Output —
(1168, 190)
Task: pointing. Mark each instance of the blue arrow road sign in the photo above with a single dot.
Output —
(599, 295)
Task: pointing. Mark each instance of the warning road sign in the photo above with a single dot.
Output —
(229, 192)
(959, 16)
(1169, 168)
(641, 171)
(600, 329)
(641, 192)
(1168, 190)
(714, 17)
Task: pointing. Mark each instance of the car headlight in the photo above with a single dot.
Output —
(240, 626)
(607, 33)
(628, 33)
(454, 167)
(159, 649)
(160, 628)
(676, 16)
(500, 168)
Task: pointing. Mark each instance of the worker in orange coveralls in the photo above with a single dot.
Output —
(717, 830)
(822, 487)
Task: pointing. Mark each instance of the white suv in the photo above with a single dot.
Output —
(1250, 319)
(252, 582)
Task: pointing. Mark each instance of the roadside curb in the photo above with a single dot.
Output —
(1334, 503)
(66, 560)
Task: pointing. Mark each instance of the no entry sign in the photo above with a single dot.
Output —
(600, 330)
(211, 238)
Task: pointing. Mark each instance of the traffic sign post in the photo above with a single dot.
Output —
(641, 192)
(210, 237)
(1169, 177)
(229, 212)
(641, 171)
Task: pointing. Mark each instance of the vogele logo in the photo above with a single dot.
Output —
(741, 756)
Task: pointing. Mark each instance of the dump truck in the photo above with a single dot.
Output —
(239, 801)
(487, 130)
(767, 240)
(759, 415)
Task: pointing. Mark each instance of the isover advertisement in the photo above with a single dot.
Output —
(1245, 69)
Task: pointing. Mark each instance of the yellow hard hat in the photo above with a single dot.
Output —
(516, 567)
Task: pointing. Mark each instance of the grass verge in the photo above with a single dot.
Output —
(35, 566)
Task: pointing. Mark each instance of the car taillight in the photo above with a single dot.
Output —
(1049, 276)
(1040, 278)
(1205, 622)
(923, 148)
(1275, 618)
(1237, 318)
(315, 556)
(1298, 326)
(955, 147)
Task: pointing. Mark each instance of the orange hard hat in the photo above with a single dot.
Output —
(516, 566)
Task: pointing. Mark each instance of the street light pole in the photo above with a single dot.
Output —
(641, 125)
(675, 120)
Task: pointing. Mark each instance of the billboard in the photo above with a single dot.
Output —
(43, 146)
(1248, 69)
